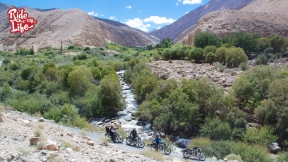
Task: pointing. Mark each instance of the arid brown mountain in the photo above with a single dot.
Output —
(176, 28)
(264, 17)
(71, 26)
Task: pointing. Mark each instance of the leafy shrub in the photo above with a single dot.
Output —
(216, 129)
(54, 113)
(80, 122)
(244, 66)
(14, 66)
(67, 144)
(87, 48)
(251, 153)
(262, 60)
(6, 61)
(82, 56)
(37, 133)
(71, 47)
(264, 136)
(201, 142)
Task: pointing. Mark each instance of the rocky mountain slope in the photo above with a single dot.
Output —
(71, 26)
(55, 143)
(264, 17)
(175, 29)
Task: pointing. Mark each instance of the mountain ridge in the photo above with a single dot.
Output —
(175, 29)
(55, 26)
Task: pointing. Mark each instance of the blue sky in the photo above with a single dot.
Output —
(145, 15)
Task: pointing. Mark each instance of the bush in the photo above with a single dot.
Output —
(201, 142)
(54, 113)
(251, 153)
(71, 47)
(244, 66)
(262, 60)
(80, 122)
(264, 136)
(216, 129)
(87, 48)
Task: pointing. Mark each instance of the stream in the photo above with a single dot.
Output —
(128, 121)
(125, 117)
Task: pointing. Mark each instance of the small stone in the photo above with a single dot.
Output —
(72, 160)
(51, 147)
(69, 150)
(91, 143)
(76, 148)
(70, 134)
(41, 119)
(34, 140)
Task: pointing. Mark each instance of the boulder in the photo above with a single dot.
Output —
(34, 140)
(182, 143)
(41, 119)
(51, 147)
(91, 143)
(141, 123)
(76, 148)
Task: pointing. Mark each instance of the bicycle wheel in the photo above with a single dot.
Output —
(202, 156)
(167, 150)
(141, 144)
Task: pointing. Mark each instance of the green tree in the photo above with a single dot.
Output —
(262, 44)
(109, 95)
(274, 111)
(197, 54)
(209, 49)
(206, 38)
(276, 42)
(78, 83)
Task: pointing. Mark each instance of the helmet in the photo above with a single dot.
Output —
(157, 135)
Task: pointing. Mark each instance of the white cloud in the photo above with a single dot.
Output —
(177, 3)
(191, 2)
(187, 12)
(138, 23)
(102, 15)
(92, 13)
(159, 20)
(129, 7)
(112, 18)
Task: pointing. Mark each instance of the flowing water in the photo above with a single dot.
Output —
(128, 121)
(125, 117)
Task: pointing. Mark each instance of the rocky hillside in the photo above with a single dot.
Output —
(175, 29)
(55, 143)
(71, 26)
(264, 17)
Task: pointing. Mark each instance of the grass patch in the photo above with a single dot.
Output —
(24, 152)
(55, 158)
(153, 154)
(122, 132)
(41, 143)
(40, 126)
(201, 142)
(283, 157)
(37, 133)
(105, 140)
(67, 144)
